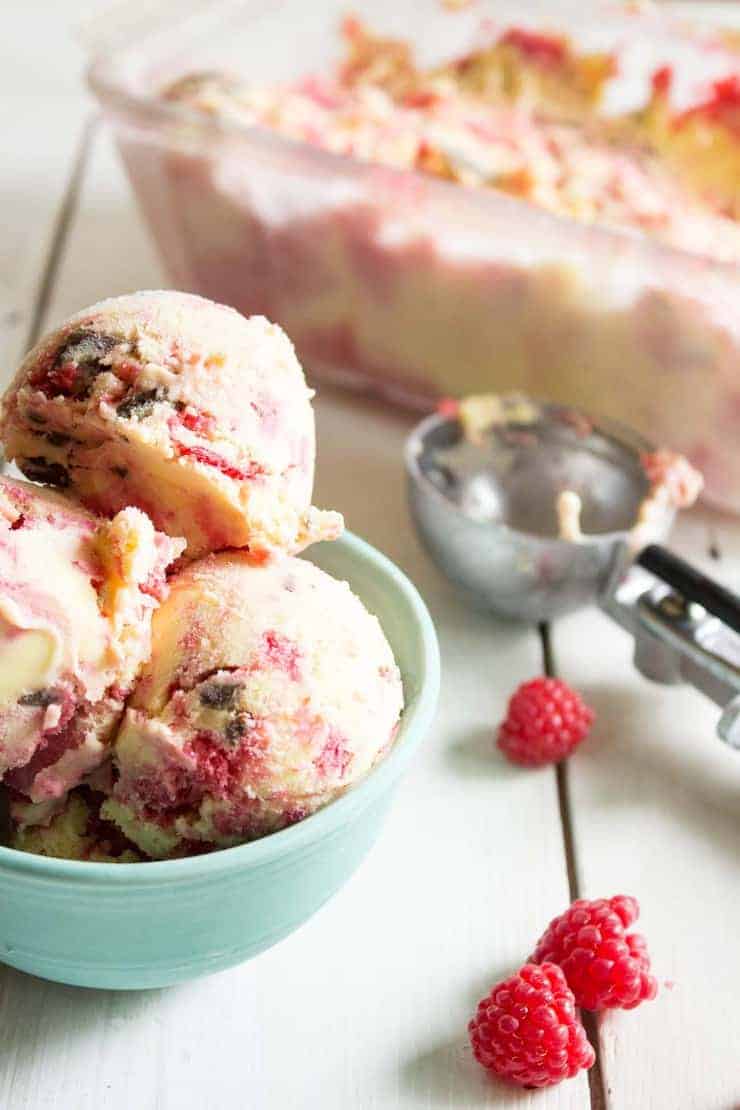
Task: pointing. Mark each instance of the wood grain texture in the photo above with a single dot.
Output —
(656, 812)
(366, 1006)
(43, 112)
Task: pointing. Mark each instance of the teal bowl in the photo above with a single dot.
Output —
(128, 926)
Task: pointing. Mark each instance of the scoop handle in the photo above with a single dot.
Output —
(686, 628)
(692, 584)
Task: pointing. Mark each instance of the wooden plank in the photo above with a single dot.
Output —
(655, 802)
(42, 118)
(108, 250)
(367, 1005)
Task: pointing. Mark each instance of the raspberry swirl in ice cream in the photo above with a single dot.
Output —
(75, 831)
(77, 595)
(477, 121)
(184, 408)
(269, 691)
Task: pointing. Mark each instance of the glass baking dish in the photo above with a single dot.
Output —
(407, 285)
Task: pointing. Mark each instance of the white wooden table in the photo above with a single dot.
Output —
(366, 1006)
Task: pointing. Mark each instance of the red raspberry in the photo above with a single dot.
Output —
(606, 967)
(526, 1030)
(544, 722)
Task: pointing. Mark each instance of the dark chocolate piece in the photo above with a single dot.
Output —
(140, 405)
(40, 699)
(85, 350)
(217, 695)
(238, 727)
(39, 469)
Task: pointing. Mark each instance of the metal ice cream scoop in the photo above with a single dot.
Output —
(486, 508)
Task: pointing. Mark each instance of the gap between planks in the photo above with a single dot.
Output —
(63, 224)
(596, 1088)
(45, 289)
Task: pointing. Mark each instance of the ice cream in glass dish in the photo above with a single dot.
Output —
(488, 206)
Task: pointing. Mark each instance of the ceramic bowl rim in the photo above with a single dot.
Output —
(305, 834)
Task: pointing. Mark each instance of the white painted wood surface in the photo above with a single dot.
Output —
(366, 1006)
(655, 801)
(43, 111)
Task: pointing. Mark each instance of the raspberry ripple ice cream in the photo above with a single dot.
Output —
(77, 595)
(592, 243)
(269, 691)
(76, 832)
(182, 407)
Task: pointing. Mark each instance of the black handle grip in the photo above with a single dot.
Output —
(692, 584)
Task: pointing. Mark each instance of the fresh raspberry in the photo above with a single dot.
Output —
(544, 722)
(606, 967)
(527, 1032)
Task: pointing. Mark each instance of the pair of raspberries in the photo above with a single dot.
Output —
(527, 1030)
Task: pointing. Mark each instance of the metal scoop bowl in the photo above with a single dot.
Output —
(486, 510)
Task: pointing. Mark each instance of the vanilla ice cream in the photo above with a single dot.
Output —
(76, 598)
(74, 830)
(269, 691)
(182, 407)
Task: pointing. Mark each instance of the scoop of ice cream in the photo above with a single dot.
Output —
(76, 598)
(184, 408)
(269, 691)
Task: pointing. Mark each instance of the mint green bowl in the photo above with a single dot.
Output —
(128, 926)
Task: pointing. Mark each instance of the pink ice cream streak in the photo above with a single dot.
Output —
(269, 691)
(563, 167)
(181, 407)
(335, 757)
(280, 653)
(77, 595)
